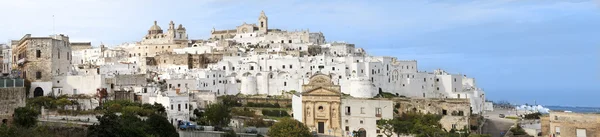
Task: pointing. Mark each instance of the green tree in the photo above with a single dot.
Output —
(217, 115)
(230, 101)
(160, 126)
(480, 135)
(288, 127)
(25, 117)
(386, 127)
(62, 102)
(109, 126)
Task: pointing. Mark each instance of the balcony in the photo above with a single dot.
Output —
(377, 115)
(347, 114)
(22, 61)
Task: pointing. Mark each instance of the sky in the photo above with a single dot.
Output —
(521, 51)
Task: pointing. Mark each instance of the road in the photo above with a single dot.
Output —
(494, 125)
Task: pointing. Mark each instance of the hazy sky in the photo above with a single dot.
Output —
(518, 50)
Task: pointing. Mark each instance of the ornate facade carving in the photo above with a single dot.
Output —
(321, 99)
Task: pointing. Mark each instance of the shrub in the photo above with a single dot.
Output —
(275, 113)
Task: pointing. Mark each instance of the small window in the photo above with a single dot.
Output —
(362, 111)
(38, 53)
(290, 66)
(361, 122)
(437, 80)
(283, 66)
(284, 83)
(557, 130)
(347, 110)
(171, 106)
(333, 68)
(251, 67)
(347, 128)
(178, 107)
(38, 75)
(320, 108)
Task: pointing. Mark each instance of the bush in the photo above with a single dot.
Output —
(533, 115)
(275, 113)
(518, 130)
(243, 112)
(264, 105)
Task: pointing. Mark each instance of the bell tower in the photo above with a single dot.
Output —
(263, 23)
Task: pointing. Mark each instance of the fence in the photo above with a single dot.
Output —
(7, 83)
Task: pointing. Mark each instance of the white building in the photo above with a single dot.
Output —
(363, 114)
(176, 105)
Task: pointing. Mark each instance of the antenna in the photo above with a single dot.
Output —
(53, 26)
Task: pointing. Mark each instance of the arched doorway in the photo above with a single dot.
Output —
(38, 92)
(362, 132)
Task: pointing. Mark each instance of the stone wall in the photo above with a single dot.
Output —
(281, 102)
(455, 112)
(10, 98)
(190, 60)
(569, 123)
(126, 80)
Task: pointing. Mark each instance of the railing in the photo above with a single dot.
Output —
(377, 115)
(5, 83)
(21, 61)
(347, 114)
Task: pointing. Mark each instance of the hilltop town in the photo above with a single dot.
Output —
(264, 74)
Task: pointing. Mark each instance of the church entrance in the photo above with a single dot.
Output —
(38, 92)
(321, 127)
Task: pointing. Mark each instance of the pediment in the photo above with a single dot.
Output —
(320, 91)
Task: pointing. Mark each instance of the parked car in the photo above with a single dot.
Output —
(502, 116)
(251, 130)
(187, 126)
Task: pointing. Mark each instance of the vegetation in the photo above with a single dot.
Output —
(289, 127)
(242, 112)
(24, 125)
(131, 125)
(275, 113)
(512, 117)
(533, 115)
(25, 117)
(217, 115)
(314, 50)
(230, 101)
(386, 126)
(480, 135)
(385, 95)
(264, 105)
(419, 125)
(257, 121)
(125, 106)
(517, 130)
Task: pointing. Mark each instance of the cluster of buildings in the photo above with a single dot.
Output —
(181, 73)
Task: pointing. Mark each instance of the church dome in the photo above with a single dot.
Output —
(155, 26)
(155, 29)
